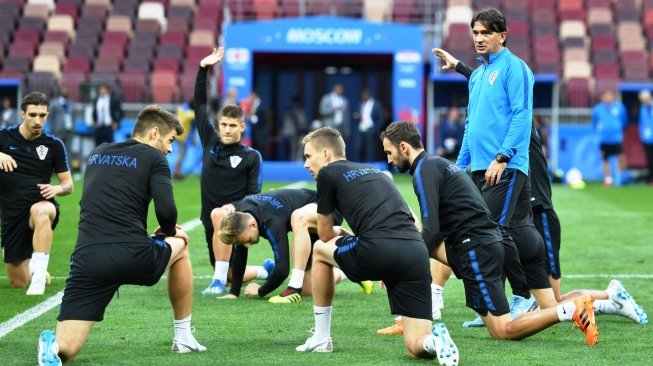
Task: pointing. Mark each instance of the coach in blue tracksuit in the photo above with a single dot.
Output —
(609, 120)
(497, 131)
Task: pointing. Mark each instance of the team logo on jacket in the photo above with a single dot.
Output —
(493, 77)
(235, 160)
(42, 151)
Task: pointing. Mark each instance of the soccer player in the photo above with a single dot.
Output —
(230, 170)
(609, 119)
(29, 212)
(386, 246)
(615, 300)
(452, 209)
(113, 247)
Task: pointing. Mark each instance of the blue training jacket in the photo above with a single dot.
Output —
(646, 124)
(499, 114)
(609, 120)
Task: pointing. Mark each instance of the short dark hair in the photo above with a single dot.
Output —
(232, 111)
(399, 131)
(34, 98)
(152, 116)
(492, 19)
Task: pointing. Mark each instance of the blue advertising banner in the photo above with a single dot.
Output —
(331, 35)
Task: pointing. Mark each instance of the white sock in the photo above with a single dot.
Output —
(566, 311)
(220, 272)
(296, 278)
(437, 292)
(429, 345)
(261, 273)
(338, 275)
(182, 329)
(38, 265)
(605, 307)
(322, 321)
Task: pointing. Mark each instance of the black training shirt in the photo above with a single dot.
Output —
(367, 199)
(119, 182)
(451, 206)
(272, 211)
(36, 160)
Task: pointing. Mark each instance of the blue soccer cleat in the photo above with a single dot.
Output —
(268, 265)
(520, 305)
(447, 351)
(48, 349)
(216, 288)
(476, 323)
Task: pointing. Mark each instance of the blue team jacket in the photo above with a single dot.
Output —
(499, 114)
(609, 121)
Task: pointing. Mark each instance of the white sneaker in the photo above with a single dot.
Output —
(314, 344)
(37, 285)
(627, 307)
(447, 351)
(187, 346)
(48, 349)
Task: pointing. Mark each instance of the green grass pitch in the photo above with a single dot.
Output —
(605, 232)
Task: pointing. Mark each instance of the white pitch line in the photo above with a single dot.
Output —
(54, 301)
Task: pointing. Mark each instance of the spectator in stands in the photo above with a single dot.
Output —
(609, 120)
(450, 135)
(107, 113)
(186, 116)
(8, 116)
(646, 129)
(259, 121)
(370, 120)
(334, 111)
(61, 117)
(232, 97)
(293, 130)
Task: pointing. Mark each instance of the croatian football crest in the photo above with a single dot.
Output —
(235, 160)
(42, 151)
(493, 76)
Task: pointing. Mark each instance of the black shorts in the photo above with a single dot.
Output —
(17, 237)
(548, 224)
(208, 235)
(403, 265)
(608, 150)
(531, 255)
(503, 198)
(97, 271)
(481, 269)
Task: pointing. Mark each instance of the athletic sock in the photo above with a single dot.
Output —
(437, 292)
(38, 265)
(322, 321)
(605, 307)
(261, 273)
(296, 278)
(429, 344)
(182, 329)
(220, 272)
(566, 311)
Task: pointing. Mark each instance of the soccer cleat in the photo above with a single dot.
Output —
(614, 286)
(367, 287)
(268, 265)
(627, 307)
(396, 328)
(313, 344)
(48, 349)
(187, 345)
(288, 296)
(584, 319)
(520, 305)
(216, 288)
(476, 323)
(447, 351)
(37, 285)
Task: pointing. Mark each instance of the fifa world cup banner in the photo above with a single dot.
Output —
(331, 35)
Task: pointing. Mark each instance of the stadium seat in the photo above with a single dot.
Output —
(376, 11)
(96, 11)
(62, 23)
(265, 9)
(606, 71)
(404, 11)
(36, 11)
(57, 37)
(48, 63)
(578, 92)
(178, 25)
(572, 28)
(72, 82)
(55, 49)
(119, 23)
(149, 25)
(37, 24)
(16, 64)
(291, 8)
(599, 16)
(167, 64)
(44, 82)
(164, 87)
(201, 38)
(77, 65)
(22, 49)
(107, 65)
(134, 87)
(152, 10)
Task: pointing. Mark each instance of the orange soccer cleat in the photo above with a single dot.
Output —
(396, 328)
(584, 319)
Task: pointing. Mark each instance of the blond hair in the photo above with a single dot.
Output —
(327, 138)
(231, 226)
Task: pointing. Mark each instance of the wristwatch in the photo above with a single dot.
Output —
(502, 158)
